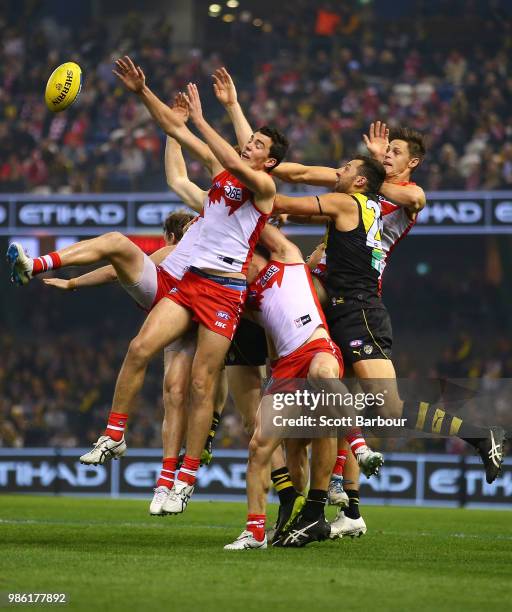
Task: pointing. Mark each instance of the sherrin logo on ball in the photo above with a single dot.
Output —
(63, 87)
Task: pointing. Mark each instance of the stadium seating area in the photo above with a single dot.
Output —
(322, 74)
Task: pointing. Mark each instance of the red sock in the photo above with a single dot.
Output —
(166, 478)
(256, 525)
(188, 470)
(356, 441)
(46, 262)
(116, 425)
(340, 462)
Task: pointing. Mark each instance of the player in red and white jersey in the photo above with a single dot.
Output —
(283, 300)
(208, 295)
(168, 262)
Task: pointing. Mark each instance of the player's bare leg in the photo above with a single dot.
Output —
(379, 374)
(221, 395)
(245, 388)
(164, 324)
(120, 251)
(177, 367)
(310, 524)
(207, 365)
(257, 478)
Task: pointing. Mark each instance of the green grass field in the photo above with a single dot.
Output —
(110, 554)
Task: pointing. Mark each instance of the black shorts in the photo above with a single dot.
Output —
(363, 333)
(249, 346)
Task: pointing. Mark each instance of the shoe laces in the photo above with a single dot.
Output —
(161, 493)
(495, 452)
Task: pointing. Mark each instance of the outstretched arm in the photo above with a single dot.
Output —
(257, 181)
(411, 197)
(101, 276)
(320, 176)
(177, 176)
(225, 91)
(170, 121)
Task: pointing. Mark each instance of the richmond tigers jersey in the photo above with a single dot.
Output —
(284, 301)
(232, 226)
(355, 258)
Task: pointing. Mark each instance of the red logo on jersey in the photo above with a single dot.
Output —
(269, 276)
(233, 196)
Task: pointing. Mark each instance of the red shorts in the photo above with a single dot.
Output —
(214, 305)
(164, 283)
(296, 364)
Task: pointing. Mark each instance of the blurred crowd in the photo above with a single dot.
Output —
(321, 71)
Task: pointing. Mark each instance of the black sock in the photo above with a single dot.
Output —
(214, 425)
(353, 504)
(315, 504)
(283, 485)
(421, 416)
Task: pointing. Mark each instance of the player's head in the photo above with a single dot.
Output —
(174, 226)
(266, 149)
(405, 152)
(360, 175)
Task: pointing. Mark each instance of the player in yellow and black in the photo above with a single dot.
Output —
(358, 320)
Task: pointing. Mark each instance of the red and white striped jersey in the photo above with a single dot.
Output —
(396, 224)
(178, 260)
(284, 300)
(231, 228)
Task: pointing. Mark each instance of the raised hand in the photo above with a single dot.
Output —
(377, 140)
(224, 87)
(194, 102)
(131, 76)
(180, 106)
(59, 283)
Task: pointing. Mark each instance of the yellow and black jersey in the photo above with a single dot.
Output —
(355, 259)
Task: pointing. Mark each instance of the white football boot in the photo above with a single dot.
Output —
(178, 497)
(20, 263)
(158, 501)
(105, 448)
(369, 461)
(245, 541)
(345, 526)
(336, 495)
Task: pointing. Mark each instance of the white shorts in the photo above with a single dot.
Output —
(145, 289)
(154, 283)
(186, 344)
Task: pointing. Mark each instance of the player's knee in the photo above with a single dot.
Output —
(256, 450)
(323, 369)
(201, 387)
(175, 396)
(139, 352)
(116, 241)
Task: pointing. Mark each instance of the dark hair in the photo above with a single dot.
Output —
(414, 139)
(279, 145)
(175, 224)
(373, 171)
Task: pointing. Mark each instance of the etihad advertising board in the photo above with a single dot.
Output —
(409, 479)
